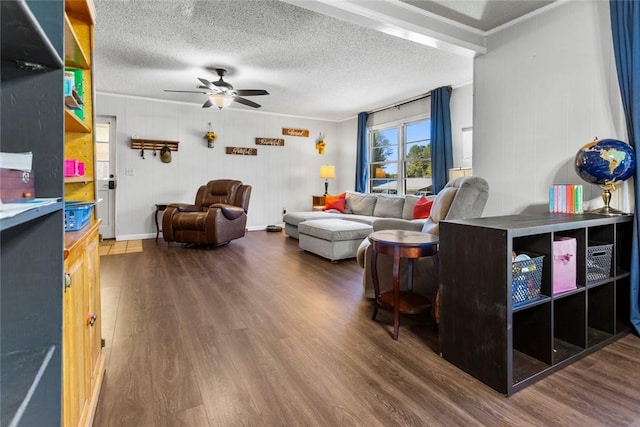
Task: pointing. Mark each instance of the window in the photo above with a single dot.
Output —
(102, 151)
(400, 158)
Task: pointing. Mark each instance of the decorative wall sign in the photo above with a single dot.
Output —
(242, 151)
(295, 132)
(270, 141)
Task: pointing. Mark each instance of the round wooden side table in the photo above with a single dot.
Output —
(401, 244)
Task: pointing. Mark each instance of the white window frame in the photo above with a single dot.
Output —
(401, 125)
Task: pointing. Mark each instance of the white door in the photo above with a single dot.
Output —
(105, 174)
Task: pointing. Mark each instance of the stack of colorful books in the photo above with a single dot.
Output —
(566, 198)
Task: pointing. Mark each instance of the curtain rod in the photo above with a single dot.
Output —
(407, 101)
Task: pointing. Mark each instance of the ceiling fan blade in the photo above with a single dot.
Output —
(246, 102)
(252, 92)
(206, 83)
(185, 91)
(207, 104)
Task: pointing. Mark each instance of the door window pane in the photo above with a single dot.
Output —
(102, 132)
(102, 151)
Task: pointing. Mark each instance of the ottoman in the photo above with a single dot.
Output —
(333, 239)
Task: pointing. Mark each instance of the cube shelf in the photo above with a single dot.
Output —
(508, 346)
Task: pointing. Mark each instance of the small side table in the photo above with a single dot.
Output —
(159, 208)
(317, 203)
(401, 244)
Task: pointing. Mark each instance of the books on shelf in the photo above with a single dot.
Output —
(74, 91)
(566, 198)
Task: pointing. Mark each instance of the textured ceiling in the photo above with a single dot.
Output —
(312, 65)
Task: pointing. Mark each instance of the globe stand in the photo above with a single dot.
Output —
(607, 209)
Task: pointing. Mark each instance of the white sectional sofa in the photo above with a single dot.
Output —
(341, 237)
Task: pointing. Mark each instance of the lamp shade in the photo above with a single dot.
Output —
(220, 100)
(327, 172)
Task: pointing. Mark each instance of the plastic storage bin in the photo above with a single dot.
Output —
(526, 279)
(77, 215)
(599, 262)
(72, 167)
(564, 264)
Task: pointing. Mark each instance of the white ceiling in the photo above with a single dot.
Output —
(317, 58)
(480, 14)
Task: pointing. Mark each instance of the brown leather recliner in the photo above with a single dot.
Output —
(218, 215)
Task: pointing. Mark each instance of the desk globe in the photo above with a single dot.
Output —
(605, 162)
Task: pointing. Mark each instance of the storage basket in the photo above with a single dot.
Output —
(599, 262)
(76, 215)
(526, 279)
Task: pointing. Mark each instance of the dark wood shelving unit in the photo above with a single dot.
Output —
(24, 40)
(31, 242)
(510, 346)
(23, 370)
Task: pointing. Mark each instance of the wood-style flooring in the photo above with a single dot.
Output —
(260, 333)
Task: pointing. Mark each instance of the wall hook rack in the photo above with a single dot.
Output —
(152, 144)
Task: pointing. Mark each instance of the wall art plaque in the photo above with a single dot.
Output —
(270, 141)
(242, 151)
(295, 132)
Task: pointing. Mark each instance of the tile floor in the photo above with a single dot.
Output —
(112, 247)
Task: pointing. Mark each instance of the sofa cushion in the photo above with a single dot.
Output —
(360, 203)
(295, 218)
(409, 203)
(336, 202)
(442, 203)
(422, 208)
(335, 230)
(388, 207)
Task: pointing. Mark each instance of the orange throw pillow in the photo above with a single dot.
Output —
(335, 202)
(422, 208)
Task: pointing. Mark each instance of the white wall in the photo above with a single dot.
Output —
(546, 87)
(282, 177)
(461, 118)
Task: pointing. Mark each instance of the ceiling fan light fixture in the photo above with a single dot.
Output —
(221, 100)
(222, 94)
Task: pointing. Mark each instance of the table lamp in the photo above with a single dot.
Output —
(327, 172)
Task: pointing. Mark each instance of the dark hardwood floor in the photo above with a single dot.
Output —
(261, 333)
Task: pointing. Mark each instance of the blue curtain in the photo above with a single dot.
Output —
(361, 155)
(441, 145)
(625, 27)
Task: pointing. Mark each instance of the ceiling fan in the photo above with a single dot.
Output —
(222, 94)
